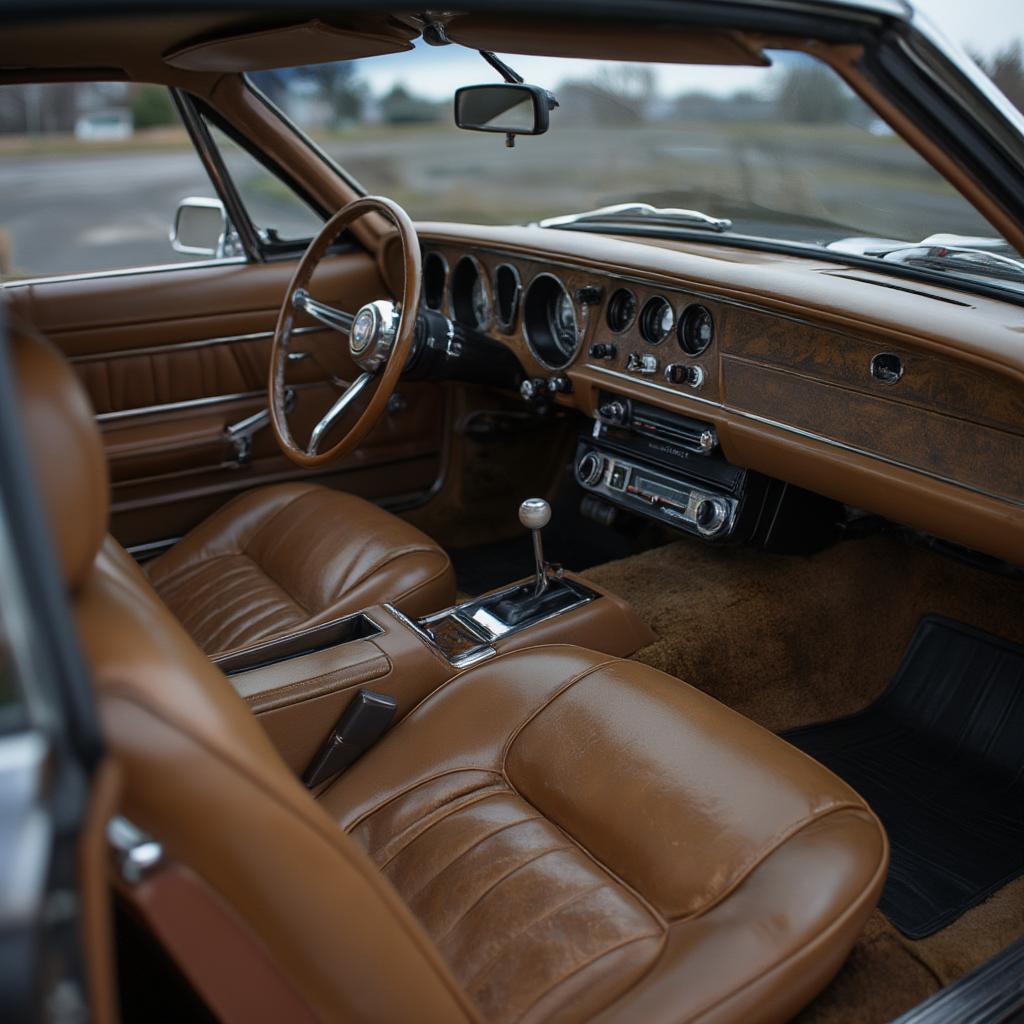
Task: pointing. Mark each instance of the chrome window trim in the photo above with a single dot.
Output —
(811, 436)
(180, 346)
(155, 268)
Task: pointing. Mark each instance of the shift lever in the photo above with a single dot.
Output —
(535, 514)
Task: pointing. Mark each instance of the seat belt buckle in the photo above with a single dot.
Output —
(362, 723)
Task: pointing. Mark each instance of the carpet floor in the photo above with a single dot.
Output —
(790, 641)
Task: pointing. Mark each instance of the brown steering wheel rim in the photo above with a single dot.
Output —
(388, 377)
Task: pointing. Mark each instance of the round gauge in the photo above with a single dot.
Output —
(435, 273)
(506, 294)
(549, 322)
(621, 310)
(696, 330)
(563, 322)
(657, 320)
(471, 305)
(481, 304)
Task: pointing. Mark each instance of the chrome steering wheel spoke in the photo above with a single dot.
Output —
(343, 401)
(329, 315)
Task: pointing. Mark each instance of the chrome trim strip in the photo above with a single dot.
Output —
(657, 387)
(155, 268)
(811, 436)
(188, 403)
(180, 346)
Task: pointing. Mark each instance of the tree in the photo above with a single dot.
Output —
(1006, 69)
(400, 106)
(810, 93)
(338, 85)
(152, 107)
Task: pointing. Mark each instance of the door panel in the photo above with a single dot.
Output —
(172, 357)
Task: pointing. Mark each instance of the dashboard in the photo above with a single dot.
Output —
(904, 400)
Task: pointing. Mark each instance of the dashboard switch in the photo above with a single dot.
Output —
(680, 373)
(642, 362)
(559, 385)
(603, 350)
(534, 389)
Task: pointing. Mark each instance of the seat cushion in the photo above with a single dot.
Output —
(585, 837)
(291, 556)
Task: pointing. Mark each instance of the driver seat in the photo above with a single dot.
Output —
(291, 556)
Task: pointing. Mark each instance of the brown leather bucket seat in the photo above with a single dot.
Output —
(553, 835)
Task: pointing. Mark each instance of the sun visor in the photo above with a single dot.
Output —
(604, 40)
(312, 42)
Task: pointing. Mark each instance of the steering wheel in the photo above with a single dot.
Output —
(380, 336)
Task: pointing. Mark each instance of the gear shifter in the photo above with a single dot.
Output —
(535, 514)
(524, 604)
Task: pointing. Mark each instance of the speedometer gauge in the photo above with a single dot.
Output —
(549, 322)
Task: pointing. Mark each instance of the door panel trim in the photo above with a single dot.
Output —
(155, 350)
(189, 403)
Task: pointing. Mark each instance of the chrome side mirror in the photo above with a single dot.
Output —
(201, 228)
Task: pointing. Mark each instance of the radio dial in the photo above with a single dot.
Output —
(711, 516)
(590, 469)
(614, 412)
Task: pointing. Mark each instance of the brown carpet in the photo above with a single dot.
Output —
(790, 640)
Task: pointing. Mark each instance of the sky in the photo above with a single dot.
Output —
(982, 26)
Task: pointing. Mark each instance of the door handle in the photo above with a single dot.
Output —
(240, 434)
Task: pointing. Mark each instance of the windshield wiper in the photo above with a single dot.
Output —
(639, 213)
(958, 258)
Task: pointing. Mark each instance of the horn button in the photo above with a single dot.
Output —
(372, 334)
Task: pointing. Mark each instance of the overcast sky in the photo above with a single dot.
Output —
(983, 26)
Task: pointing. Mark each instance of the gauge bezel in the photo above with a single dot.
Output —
(693, 310)
(503, 324)
(537, 344)
(433, 254)
(645, 315)
(617, 296)
(456, 299)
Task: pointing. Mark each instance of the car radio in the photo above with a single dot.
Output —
(663, 466)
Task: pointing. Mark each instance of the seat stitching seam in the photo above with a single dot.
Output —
(832, 926)
(494, 885)
(425, 822)
(617, 879)
(514, 735)
(549, 913)
(762, 853)
(660, 939)
(392, 556)
(415, 785)
(464, 853)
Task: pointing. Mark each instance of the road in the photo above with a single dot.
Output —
(105, 210)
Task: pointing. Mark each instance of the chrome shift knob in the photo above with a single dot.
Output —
(535, 513)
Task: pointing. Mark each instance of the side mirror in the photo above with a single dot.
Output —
(508, 108)
(201, 228)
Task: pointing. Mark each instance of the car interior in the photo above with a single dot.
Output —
(590, 619)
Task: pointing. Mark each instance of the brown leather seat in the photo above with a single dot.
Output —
(553, 835)
(294, 555)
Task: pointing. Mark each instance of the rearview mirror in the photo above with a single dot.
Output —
(506, 108)
(201, 228)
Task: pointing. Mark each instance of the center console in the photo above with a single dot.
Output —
(299, 685)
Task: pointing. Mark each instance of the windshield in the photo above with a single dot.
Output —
(785, 152)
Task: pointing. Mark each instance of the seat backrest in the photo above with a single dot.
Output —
(199, 774)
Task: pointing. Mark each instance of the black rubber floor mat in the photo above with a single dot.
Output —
(940, 758)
